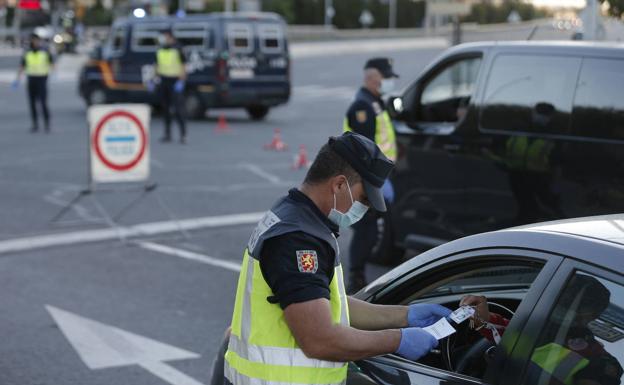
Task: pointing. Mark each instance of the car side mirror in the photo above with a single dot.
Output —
(396, 108)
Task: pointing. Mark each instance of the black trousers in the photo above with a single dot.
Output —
(362, 242)
(38, 94)
(168, 99)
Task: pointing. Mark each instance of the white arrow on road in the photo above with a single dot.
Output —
(103, 346)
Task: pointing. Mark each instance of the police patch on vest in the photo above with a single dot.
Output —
(307, 261)
(361, 116)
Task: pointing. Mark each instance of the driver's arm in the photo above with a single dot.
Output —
(483, 316)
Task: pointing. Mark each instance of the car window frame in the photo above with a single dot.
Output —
(543, 309)
(230, 26)
(180, 29)
(551, 264)
(124, 40)
(152, 29)
(262, 28)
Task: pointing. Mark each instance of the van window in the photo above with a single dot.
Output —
(145, 37)
(598, 104)
(239, 37)
(118, 40)
(446, 95)
(270, 38)
(530, 94)
(191, 35)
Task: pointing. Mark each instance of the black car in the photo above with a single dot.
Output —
(494, 135)
(234, 60)
(530, 276)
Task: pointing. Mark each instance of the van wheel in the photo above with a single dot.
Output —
(386, 252)
(194, 106)
(257, 112)
(96, 95)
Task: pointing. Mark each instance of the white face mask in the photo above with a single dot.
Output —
(354, 214)
(387, 86)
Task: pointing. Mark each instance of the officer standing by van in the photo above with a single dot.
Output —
(292, 321)
(368, 116)
(37, 62)
(172, 76)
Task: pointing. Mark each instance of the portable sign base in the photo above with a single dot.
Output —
(118, 154)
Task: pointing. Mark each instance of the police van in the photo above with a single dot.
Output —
(235, 60)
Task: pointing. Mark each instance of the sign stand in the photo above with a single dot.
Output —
(118, 153)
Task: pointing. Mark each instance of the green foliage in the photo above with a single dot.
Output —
(616, 7)
(487, 13)
(98, 15)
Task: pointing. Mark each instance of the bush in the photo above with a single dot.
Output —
(98, 15)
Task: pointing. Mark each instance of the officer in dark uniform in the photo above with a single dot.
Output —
(172, 76)
(291, 310)
(368, 116)
(37, 62)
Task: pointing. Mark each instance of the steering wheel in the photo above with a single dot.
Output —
(459, 353)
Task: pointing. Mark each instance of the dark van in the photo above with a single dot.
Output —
(493, 135)
(233, 60)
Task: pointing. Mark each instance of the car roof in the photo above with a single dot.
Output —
(597, 240)
(234, 16)
(552, 47)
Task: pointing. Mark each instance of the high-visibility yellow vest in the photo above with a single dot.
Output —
(262, 349)
(168, 62)
(37, 63)
(385, 136)
(559, 362)
(522, 153)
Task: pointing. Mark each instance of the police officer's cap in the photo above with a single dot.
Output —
(383, 65)
(369, 162)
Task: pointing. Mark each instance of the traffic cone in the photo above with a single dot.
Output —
(301, 159)
(276, 144)
(222, 124)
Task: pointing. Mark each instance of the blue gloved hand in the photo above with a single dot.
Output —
(415, 343)
(421, 315)
(179, 86)
(388, 191)
(15, 84)
(151, 86)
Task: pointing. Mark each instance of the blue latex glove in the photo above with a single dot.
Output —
(388, 191)
(179, 86)
(415, 343)
(421, 315)
(15, 84)
(151, 86)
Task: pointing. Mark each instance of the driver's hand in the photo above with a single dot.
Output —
(480, 302)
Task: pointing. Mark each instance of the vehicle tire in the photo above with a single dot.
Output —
(194, 106)
(96, 95)
(257, 112)
(386, 252)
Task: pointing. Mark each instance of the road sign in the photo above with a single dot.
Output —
(103, 346)
(119, 143)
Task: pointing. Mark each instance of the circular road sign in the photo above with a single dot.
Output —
(119, 140)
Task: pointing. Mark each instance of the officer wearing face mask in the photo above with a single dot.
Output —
(368, 116)
(292, 321)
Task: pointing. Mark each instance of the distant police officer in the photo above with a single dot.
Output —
(367, 116)
(172, 75)
(292, 321)
(37, 62)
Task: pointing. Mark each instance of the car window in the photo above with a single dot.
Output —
(598, 106)
(118, 40)
(271, 38)
(530, 94)
(505, 283)
(239, 38)
(582, 342)
(145, 37)
(191, 35)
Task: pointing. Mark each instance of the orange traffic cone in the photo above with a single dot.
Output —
(276, 144)
(301, 159)
(222, 125)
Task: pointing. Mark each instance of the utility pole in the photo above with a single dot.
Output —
(329, 13)
(229, 7)
(392, 13)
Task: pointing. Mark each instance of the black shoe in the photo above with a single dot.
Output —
(165, 139)
(357, 281)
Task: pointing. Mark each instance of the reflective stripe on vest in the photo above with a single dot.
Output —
(385, 136)
(262, 349)
(37, 63)
(168, 62)
(558, 361)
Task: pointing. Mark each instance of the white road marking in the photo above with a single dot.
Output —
(193, 256)
(103, 346)
(55, 198)
(254, 169)
(314, 91)
(145, 229)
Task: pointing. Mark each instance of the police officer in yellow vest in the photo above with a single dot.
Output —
(37, 62)
(293, 322)
(172, 75)
(368, 116)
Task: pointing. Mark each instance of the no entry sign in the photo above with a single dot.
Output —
(119, 142)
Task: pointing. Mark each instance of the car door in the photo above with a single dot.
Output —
(512, 279)
(428, 181)
(575, 334)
